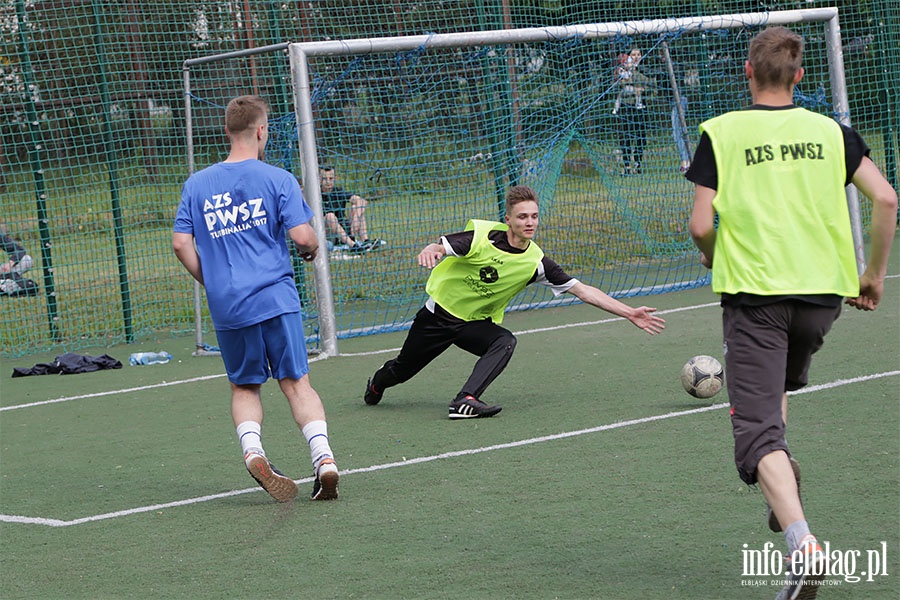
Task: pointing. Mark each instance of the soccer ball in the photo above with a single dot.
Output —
(702, 376)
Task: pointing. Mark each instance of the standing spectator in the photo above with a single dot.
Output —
(239, 212)
(623, 73)
(486, 266)
(782, 259)
(353, 231)
(632, 130)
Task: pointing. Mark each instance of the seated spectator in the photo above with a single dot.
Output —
(353, 231)
(12, 283)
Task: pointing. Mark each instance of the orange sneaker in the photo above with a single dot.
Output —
(805, 571)
(279, 486)
(326, 484)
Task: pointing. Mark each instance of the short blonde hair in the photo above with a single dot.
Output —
(776, 55)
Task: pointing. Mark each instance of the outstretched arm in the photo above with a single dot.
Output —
(642, 316)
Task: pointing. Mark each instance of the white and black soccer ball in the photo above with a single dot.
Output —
(703, 376)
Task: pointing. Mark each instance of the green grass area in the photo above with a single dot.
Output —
(643, 503)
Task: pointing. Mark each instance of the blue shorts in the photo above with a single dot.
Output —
(274, 348)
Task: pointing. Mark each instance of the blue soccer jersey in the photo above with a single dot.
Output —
(239, 214)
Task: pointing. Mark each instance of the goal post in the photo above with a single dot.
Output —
(408, 50)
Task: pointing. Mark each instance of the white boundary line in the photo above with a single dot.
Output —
(109, 393)
(425, 459)
(314, 359)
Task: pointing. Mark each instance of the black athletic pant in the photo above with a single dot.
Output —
(432, 333)
(632, 135)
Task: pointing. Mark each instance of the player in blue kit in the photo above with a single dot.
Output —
(240, 212)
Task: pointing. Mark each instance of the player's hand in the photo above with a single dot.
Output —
(870, 290)
(431, 255)
(705, 261)
(310, 255)
(644, 318)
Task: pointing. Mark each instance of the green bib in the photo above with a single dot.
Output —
(482, 283)
(784, 225)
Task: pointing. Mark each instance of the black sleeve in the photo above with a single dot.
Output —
(549, 273)
(554, 273)
(855, 149)
(461, 242)
(703, 168)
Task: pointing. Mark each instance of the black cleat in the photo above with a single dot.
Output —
(371, 397)
(470, 407)
(374, 244)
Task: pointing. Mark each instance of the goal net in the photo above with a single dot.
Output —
(430, 130)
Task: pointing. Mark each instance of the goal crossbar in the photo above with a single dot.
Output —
(559, 33)
(300, 52)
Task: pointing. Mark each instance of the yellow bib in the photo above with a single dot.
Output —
(482, 283)
(784, 225)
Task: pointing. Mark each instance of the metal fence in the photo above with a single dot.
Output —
(92, 130)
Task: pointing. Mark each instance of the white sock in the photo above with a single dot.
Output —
(316, 433)
(250, 437)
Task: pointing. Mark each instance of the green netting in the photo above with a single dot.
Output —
(94, 149)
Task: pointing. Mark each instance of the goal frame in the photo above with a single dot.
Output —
(300, 53)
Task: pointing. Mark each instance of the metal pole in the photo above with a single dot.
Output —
(307, 135)
(888, 32)
(199, 345)
(842, 112)
(37, 169)
(514, 157)
(112, 167)
(676, 95)
(486, 98)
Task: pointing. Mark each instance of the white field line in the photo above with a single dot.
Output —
(317, 358)
(425, 459)
(555, 327)
(349, 354)
(62, 523)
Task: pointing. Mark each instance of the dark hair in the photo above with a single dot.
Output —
(519, 193)
(244, 113)
(776, 55)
